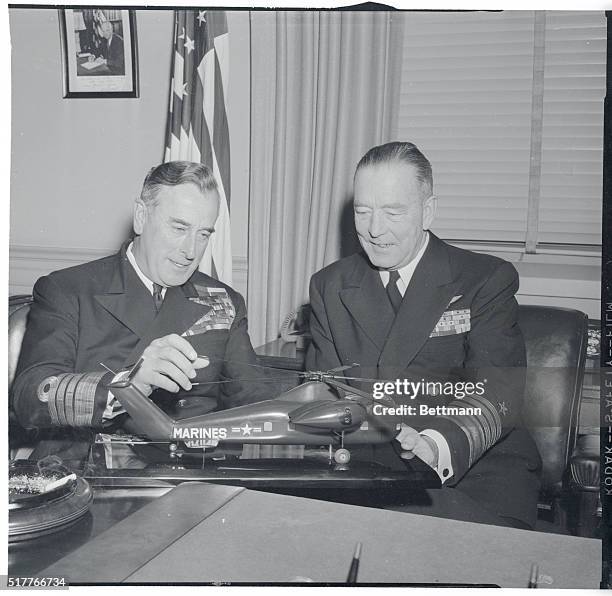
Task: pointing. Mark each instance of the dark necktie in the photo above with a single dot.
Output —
(157, 296)
(395, 297)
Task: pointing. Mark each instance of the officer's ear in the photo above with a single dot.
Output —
(140, 216)
(429, 211)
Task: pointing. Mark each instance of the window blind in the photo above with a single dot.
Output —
(466, 99)
(572, 135)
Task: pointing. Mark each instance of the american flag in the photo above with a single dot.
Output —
(197, 123)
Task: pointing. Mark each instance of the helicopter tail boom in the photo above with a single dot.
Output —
(151, 420)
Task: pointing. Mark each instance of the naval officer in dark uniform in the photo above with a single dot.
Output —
(149, 300)
(410, 306)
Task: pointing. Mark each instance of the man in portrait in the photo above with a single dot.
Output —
(112, 49)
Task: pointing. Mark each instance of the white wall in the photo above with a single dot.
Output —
(77, 164)
(549, 279)
(566, 285)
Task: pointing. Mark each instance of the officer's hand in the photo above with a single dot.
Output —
(415, 444)
(169, 363)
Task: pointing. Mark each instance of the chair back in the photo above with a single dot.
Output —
(19, 307)
(556, 340)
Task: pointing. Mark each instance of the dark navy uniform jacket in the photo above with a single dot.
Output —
(102, 312)
(457, 323)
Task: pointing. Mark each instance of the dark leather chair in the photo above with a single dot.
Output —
(556, 341)
(19, 307)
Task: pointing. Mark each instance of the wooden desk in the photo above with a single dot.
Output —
(208, 533)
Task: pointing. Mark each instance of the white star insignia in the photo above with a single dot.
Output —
(182, 35)
(503, 410)
(246, 429)
(189, 45)
(180, 89)
(201, 17)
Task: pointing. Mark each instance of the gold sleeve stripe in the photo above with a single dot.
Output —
(495, 421)
(492, 414)
(483, 421)
(474, 432)
(85, 398)
(481, 431)
(485, 403)
(70, 397)
(60, 395)
(81, 417)
(471, 432)
(489, 422)
(46, 392)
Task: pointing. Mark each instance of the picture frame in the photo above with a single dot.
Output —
(99, 52)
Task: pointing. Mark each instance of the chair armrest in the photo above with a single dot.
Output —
(584, 464)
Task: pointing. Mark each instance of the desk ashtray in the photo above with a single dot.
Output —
(42, 501)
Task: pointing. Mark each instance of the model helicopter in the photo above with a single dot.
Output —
(322, 411)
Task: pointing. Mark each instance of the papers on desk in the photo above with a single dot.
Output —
(93, 64)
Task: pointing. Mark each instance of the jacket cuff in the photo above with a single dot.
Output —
(76, 400)
(444, 469)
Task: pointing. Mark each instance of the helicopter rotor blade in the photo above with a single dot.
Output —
(350, 390)
(342, 368)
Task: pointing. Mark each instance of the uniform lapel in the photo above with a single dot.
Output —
(177, 314)
(366, 300)
(427, 296)
(127, 296)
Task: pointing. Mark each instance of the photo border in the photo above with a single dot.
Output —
(66, 78)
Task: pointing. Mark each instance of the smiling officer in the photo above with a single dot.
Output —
(410, 306)
(148, 300)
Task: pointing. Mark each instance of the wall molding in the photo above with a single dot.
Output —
(28, 262)
(68, 254)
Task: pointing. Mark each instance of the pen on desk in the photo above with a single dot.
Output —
(354, 568)
(533, 578)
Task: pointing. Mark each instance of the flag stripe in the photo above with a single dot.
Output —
(197, 128)
(220, 133)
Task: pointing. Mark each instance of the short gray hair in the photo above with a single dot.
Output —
(173, 173)
(402, 152)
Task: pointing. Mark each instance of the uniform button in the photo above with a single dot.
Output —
(445, 472)
(181, 403)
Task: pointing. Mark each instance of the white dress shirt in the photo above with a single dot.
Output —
(444, 468)
(145, 280)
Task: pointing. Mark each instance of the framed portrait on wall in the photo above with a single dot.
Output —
(99, 52)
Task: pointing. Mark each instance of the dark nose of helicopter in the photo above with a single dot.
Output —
(329, 415)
